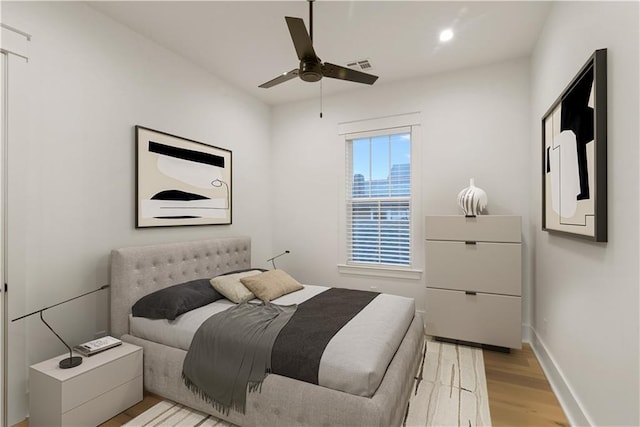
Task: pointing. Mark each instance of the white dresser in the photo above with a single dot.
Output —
(474, 279)
(87, 395)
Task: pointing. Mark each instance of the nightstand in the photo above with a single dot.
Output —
(87, 395)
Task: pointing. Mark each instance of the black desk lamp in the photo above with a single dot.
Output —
(272, 259)
(71, 361)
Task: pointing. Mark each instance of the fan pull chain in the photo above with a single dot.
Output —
(320, 98)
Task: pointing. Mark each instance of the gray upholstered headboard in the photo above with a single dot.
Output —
(139, 270)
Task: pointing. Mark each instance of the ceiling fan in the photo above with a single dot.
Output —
(311, 68)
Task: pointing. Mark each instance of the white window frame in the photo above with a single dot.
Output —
(367, 128)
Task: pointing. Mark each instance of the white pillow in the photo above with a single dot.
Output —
(232, 288)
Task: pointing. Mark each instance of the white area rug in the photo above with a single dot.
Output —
(450, 389)
(167, 413)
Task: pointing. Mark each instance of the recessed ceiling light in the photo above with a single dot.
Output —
(446, 35)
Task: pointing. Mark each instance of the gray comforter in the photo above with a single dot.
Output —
(231, 352)
(355, 359)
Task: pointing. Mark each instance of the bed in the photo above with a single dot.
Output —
(138, 271)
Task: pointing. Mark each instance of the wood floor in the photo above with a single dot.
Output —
(147, 402)
(519, 393)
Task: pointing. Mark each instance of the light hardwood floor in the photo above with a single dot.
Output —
(519, 393)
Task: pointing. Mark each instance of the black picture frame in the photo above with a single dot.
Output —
(574, 155)
(180, 181)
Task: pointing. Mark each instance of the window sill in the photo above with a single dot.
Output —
(394, 272)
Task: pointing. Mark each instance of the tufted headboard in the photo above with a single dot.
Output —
(139, 270)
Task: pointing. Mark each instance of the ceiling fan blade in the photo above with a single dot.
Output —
(281, 78)
(301, 40)
(337, 72)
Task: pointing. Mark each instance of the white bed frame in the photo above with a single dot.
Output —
(137, 271)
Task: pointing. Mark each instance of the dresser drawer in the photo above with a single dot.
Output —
(483, 228)
(480, 318)
(482, 267)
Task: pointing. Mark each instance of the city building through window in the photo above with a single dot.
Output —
(378, 198)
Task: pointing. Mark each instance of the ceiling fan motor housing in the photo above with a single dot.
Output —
(310, 71)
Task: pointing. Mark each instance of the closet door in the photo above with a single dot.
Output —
(3, 331)
(14, 129)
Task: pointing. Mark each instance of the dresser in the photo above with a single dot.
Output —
(89, 394)
(473, 276)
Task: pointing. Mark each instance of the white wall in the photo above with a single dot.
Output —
(474, 124)
(89, 81)
(586, 294)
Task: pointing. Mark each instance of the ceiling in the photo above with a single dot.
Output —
(246, 43)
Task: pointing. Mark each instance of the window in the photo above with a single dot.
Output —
(378, 198)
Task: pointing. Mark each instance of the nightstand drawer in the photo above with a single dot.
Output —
(483, 267)
(104, 406)
(481, 318)
(483, 228)
(82, 388)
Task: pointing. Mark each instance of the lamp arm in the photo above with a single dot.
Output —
(71, 361)
(272, 259)
(54, 333)
(65, 301)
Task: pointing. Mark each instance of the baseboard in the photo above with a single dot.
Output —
(526, 334)
(574, 411)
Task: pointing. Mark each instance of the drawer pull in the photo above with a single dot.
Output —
(469, 242)
(470, 293)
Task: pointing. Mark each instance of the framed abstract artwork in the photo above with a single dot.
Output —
(180, 181)
(574, 155)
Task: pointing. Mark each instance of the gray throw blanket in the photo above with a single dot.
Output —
(231, 353)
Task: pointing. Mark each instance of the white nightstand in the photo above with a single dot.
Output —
(87, 395)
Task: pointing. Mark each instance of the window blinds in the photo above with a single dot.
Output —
(378, 197)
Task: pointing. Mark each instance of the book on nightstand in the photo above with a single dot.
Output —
(96, 346)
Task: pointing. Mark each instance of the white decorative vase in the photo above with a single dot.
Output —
(472, 200)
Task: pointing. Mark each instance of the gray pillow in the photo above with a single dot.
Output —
(171, 302)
